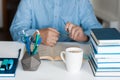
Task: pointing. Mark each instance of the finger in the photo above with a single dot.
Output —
(48, 43)
(55, 39)
(70, 27)
(52, 40)
(67, 26)
(76, 35)
(52, 43)
(73, 31)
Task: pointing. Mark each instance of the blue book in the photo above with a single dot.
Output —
(106, 36)
(104, 58)
(105, 48)
(11, 72)
(104, 72)
(104, 55)
(8, 66)
(103, 69)
(106, 65)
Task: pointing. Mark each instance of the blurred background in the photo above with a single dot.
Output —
(106, 11)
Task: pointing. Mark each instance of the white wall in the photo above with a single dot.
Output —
(119, 14)
(111, 6)
(1, 22)
(108, 10)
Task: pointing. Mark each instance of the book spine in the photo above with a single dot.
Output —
(95, 39)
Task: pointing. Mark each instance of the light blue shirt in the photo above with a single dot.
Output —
(40, 14)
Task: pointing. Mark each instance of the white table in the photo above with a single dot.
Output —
(55, 70)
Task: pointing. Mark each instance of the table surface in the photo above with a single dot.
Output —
(56, 70)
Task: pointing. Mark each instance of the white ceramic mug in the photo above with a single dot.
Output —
(73, 58)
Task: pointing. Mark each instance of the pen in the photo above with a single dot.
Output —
(28, 43)
(37, 42)
(19, 51)
(37, 38)
(36, 46)
(35, 50)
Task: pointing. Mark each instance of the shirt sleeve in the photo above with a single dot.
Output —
(87, 17)
(22, 21)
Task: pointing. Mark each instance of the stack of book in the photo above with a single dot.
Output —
(105, 54)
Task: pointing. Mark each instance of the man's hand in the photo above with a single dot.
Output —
(76, 32)
(49, 36)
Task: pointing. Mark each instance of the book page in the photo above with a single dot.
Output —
(53, 53)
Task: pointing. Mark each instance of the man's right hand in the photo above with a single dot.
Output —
(49, 36)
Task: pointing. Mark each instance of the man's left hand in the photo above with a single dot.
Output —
(76, 32)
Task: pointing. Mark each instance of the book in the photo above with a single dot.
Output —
(102, 59)
(104, 55)
(9, 72)
(106, 36)
(106, 60)
(105, 48)
(104, 72)
(103, 69)
(12, 71)
(106, 65)
(53, 53)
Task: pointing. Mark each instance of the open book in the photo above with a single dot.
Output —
(53, 53)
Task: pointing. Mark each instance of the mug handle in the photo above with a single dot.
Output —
(62, 56)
